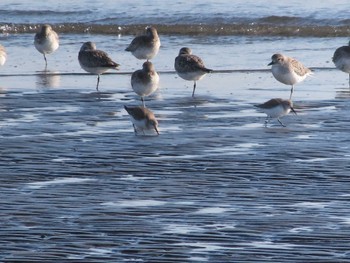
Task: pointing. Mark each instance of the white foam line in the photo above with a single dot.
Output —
(212, 210)
(38, 185)
(135, 203)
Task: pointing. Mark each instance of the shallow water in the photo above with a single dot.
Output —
(206, 17)
(215, 186)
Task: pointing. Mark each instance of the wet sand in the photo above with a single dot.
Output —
(215, 186)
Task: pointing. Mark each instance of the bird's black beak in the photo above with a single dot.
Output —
(293, 110)
(271, 63)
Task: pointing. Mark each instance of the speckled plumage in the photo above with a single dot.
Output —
(288, 70)
(190, 67)
(95, 61)
(142, 119)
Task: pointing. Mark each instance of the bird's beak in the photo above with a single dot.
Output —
(155, 128)
(271, 63)
(293, 110)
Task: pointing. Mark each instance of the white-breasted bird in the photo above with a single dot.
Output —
(190, 67)
(142, 119)
(276, 108)
(288, 70)
(46, 41)
(145, 46)
(95, 61)
(145, 81)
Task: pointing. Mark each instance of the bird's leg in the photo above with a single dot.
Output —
(143, 102)
(267, 121)
(291, 92)
(133, 125)
(45, 60)
(98, 81)
(194, 88)
(281, 122)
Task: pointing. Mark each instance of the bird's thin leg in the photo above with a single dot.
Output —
(143, 102)
(281, 122)
(194, 88)
(267, 121)
(133, 125)
(98, 81)
(45, 60)
(291, 92)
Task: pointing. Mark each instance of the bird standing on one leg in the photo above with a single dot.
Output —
(190, 67)
(288, 70)
(145, 81)
(95, 61)
(46, 41)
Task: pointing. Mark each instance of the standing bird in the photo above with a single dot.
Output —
(276, 108)
(145, 46)
(46, 41)
(142, 119)
(190, 67)
(145, 81)
(288, 70)
(341, 59)
(95, 61)
(3, 55)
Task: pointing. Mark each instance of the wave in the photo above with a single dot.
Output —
(269, 26)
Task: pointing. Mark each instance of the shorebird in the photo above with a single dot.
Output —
(341, 59)
(276, 108)
(288, 70)
(46, 41)
(145, 81)
(190, 67)
(142, 119)
(3, 55)
(95, 61)
(145, 46)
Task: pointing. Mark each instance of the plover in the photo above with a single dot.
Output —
(288, 70)
(341, 59)
(95, 61)
(46, 41)
(276, 108)
(145, 81)
(142, 119)
(190, 67)
(145, 46)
